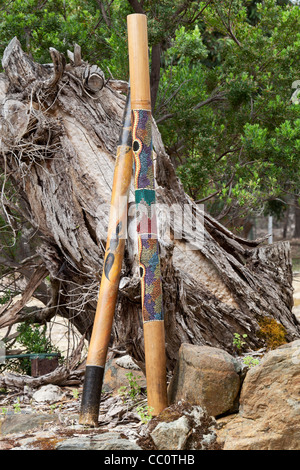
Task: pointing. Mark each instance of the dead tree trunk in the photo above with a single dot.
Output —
(59, 130)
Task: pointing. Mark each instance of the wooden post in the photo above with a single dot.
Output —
(270, 229)
(117, 231)
(152, 306)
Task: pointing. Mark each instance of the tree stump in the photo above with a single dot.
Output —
(60, 125)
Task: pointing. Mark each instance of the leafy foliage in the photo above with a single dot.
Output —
(242, 145)
(238, 341)
(226, 75)
(33, 337)
(57, 23)
(250, 361)
(133, 389)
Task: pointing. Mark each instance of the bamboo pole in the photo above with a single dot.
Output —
(152, 307)
(117, 230)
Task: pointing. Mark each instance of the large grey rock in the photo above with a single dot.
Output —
(20, 423)
(269, 416)
(205, 376)
(106, 441)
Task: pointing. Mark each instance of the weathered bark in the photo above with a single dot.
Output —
(11, 314)
(60, 376)
(60, 126)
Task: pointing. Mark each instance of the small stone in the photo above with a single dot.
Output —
(48, 393)
(171, 436)
(127, 363)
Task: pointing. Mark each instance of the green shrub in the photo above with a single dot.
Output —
(238, 341)
(32, 336)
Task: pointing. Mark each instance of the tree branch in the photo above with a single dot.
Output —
(226, 153)
(136, 6)
(164, 103)
(219, 97)
(104, 13)
(8, 315)
(200, 12)
(228, 26)
(200, 201)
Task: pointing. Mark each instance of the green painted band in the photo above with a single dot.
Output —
(146, 195)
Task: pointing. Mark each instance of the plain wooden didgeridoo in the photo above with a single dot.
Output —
(115, 245)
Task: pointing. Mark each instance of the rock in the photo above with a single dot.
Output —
(205, 376)
(116, 377)
(40, 440)
(171, 436)
(5, 446)
(127, 363)
(48, 393)
(106, 441)
(19, 423)
(269, 416)
(181, 426)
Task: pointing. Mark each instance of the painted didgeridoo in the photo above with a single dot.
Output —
(144, 185)
(115, 245)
